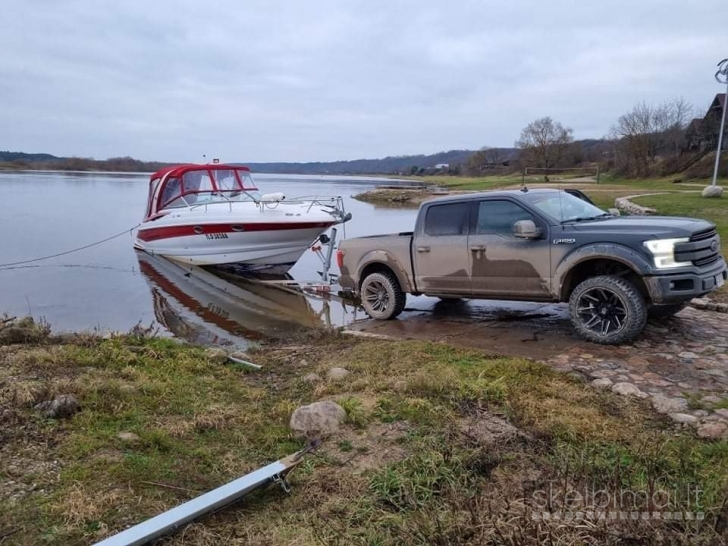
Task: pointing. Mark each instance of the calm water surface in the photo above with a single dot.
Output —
(110, 287)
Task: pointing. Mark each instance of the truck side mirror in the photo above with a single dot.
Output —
(526, 229)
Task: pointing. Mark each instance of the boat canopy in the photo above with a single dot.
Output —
(188, 185)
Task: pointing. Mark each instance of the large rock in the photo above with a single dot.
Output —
(311, 378)
(713, 191)
(712, 430)
(602, 383)
(61, 406)
(666, 404)
(317, 419)
(684, 418)
(628, 389)
(216, 355)
(337, 374)
(128, 437)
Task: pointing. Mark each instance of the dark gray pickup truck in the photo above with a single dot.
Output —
(539, 245)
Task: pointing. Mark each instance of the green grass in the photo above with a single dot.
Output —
(406, 469)
(692, 205)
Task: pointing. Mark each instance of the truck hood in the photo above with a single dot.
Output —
(662, 227)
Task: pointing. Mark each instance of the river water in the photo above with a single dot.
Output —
(111, 287)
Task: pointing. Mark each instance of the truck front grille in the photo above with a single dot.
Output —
(706, 261)
(702, 250)
(703, 235)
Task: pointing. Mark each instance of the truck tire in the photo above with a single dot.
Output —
(666, 310)
(381, 296)
(607, 309)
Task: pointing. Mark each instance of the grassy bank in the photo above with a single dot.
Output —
(441, 446)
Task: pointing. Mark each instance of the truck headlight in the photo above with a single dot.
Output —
(663, 252)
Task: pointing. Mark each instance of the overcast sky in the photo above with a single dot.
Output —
(323, 80)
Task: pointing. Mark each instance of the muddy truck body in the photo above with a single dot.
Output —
(539, 245)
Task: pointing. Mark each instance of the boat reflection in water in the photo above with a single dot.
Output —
(211, 306)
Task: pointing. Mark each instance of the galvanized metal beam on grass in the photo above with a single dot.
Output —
(175, 518)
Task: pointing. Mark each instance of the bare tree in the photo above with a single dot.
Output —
(648, 131)
(545, 143)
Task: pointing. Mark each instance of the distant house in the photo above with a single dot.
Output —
(702, 133)
(442, 166)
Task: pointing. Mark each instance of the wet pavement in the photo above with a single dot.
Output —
(680, 363)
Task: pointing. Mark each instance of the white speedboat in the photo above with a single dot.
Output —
(214, 215)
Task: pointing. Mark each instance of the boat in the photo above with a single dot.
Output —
(214, 215)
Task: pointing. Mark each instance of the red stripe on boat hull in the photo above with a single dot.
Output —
(155, 234)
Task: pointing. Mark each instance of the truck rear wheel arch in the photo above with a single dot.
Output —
(600, 266)
(377, 267)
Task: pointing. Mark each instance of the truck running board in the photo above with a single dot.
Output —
(173, 519)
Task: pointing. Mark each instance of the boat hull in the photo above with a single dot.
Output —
(213, 239)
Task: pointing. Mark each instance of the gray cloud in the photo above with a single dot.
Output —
(321, 80)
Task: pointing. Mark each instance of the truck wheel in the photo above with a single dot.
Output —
(608, 310)
(666, 310)
(382, 296)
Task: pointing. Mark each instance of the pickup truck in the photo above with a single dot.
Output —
(539, 245)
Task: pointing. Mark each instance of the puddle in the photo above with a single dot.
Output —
(215, 307)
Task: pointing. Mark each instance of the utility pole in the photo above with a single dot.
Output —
(722, 77)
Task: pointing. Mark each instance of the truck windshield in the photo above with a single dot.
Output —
(564, 207)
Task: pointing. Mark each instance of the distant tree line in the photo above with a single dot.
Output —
(20, 160)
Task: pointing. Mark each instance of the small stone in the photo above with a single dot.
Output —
(684, 418)
(711, 399)
(687, 355)
(127, 389)
(303, 362)
(722, 412)
(216, 355)
(317, 419)
(712, 306)
(602, 383)
(61, 406)
(337, 374)
(712, 430)
(665, 404)
(712, 191)
(627, 389)
(311, 378)
(128, 437)
(700, 413)
(722, 308)
(699, 303)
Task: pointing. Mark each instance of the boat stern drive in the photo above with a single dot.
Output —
(214, 215)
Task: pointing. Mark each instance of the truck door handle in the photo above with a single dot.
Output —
(477, 248)
(423, 249)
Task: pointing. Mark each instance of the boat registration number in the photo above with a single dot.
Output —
(216, 235)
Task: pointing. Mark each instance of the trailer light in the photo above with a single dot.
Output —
(340, 258)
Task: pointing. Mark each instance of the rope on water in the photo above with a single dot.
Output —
(66, 252)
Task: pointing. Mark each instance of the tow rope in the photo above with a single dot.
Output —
(66, 252)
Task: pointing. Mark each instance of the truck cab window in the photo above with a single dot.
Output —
(499, 217)
(448, 219)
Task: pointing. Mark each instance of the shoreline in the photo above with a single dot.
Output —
(149, 423)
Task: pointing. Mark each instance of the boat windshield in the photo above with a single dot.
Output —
(202, 187)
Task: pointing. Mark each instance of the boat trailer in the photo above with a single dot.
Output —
(173, 519)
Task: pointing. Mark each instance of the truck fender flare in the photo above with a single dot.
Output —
(608, 251)
(385, 258)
